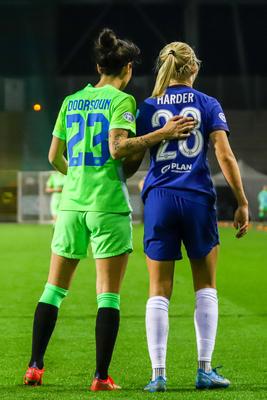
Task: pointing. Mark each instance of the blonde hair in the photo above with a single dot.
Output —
(176, 61)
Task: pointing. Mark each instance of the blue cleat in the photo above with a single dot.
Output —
(210, 380)
(158, 385)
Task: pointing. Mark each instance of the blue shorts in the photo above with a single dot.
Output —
(170, 220)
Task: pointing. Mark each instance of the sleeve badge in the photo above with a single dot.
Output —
(128, 116)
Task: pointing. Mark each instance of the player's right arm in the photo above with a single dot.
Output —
(56, 155)
(58, 145)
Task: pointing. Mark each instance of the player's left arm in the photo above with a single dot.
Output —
(56, 155)
(49, 185)
(230, 170)
(58, 144)
(49, 190)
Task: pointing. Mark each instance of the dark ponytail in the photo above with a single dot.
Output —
(112, 53)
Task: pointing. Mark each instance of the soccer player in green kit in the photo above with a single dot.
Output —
(95, 125)
(54, 185)
(262, 199)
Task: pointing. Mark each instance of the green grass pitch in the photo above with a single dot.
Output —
(242, 334)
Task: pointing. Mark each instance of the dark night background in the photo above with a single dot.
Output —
(55, 37)
(46, 53)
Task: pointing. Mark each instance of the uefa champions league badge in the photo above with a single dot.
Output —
(128, 116)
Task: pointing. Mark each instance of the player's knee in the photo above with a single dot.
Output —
(53, 295)
(163, 289)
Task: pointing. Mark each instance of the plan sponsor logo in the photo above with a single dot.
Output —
(177, 168)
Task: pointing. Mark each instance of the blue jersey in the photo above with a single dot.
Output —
(182, 165)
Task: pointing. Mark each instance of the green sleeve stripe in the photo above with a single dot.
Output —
(123, 126)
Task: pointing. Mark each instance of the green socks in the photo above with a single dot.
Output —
(53, 295)
(108, 300)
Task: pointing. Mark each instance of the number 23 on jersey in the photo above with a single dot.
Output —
(163, 154)
(88, 158)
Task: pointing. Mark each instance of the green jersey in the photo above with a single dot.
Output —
(94, 180)
(262, 198)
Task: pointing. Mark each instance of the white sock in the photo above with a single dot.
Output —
(206, 320)
(157, 328)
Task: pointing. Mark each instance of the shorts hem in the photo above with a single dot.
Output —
(68, 255)
(114, 254)
(203, 254)
(175, 258)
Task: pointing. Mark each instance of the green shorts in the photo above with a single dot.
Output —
(110, 234)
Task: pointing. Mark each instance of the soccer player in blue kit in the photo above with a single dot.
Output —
(179, 206)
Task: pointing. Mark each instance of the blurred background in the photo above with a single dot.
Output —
(46, 49)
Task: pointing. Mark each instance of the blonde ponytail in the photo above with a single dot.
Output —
(165, 73)
(177, 61)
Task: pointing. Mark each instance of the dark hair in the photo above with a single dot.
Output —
(112, 53)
